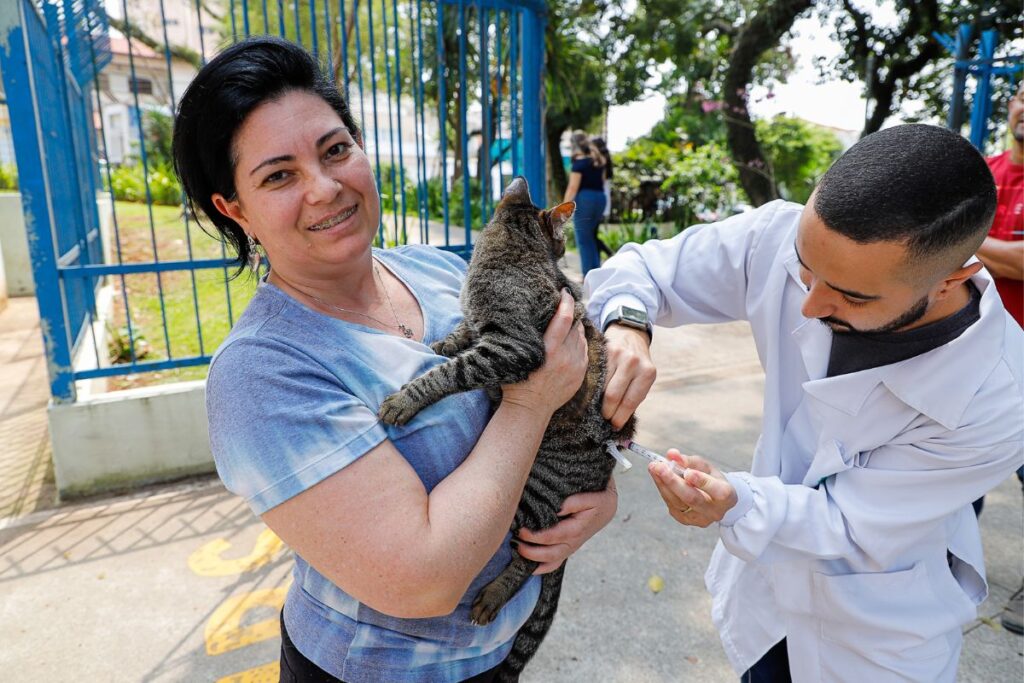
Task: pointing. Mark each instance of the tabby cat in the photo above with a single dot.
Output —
(511, 292)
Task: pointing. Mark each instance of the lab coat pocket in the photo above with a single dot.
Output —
(881, 616)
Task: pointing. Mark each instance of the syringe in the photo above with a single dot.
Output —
(643, 452)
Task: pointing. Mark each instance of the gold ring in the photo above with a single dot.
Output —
(688, 509)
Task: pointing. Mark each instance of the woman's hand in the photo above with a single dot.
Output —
(583, 515)
(565, 364)
(700, 498)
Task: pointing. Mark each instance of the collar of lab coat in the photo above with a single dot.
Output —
(939, 383)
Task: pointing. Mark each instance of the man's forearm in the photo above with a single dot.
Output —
(1003, 259)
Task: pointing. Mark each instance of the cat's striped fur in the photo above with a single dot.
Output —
(511, 291)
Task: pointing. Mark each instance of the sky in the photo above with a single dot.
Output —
(837, 104)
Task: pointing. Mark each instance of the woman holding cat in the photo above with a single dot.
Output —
(586, 188)
(394, 529)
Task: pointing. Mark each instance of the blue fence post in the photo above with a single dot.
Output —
(533, 105)
(983, 90)
(961, 51)
(19, 74)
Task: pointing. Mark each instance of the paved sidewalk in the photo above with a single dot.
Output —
(181, 583)
(26, 469)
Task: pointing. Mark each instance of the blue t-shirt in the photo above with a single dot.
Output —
(292, 397)
(591, 175)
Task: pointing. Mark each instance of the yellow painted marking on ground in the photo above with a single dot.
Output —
(207, 561)
(224, 631)
(268, 673)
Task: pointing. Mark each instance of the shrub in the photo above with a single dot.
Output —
(616, 235)
(8, 177)
(393, 174)
(127, 183)
(119, 347)
(435, 202)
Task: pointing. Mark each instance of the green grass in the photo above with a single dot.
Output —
(140, 293)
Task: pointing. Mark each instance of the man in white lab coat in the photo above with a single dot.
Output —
(893, 398)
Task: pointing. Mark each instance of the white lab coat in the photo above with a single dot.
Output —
(860, 483)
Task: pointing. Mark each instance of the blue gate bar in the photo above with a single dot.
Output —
(133, 86)
(19, 77)
(442, 110)
(188, 229)
(467, 211)
(533, 106)
(398, 99)
(391, 109)
(484, 159)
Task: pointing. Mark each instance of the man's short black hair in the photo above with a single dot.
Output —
(923, 186)
(214, 107)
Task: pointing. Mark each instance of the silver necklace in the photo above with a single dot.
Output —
(403, 328)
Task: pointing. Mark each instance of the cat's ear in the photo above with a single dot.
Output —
(560, 215)
(518, 191)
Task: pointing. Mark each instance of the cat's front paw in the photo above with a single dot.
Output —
(397, 409)
(445, 348)
(488, 603)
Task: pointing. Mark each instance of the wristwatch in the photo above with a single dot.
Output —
(631, 317)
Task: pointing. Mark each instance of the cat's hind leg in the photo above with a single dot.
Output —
(532, 633)
(494, 595)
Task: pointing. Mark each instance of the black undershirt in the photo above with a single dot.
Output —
(853, 352)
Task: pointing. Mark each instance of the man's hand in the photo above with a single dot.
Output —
(701, 498)
(583, 515)
(630, 373)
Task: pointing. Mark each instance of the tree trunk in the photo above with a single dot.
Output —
(557, 179)
(760, 33)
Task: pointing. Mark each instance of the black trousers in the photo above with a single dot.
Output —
(296, 668)
(772, 668)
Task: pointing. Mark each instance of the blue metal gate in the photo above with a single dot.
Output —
(449, 93)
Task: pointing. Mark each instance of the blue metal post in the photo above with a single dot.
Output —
(533, 106)
(983, 91)
(30, 151)
(962, 49)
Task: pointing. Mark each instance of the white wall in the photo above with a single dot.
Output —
(130, 438)
(17, 264)
(3, 281)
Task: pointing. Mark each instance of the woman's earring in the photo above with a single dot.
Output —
(254, 256)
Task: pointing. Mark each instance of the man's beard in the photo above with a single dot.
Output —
(1017, 131)
(912, 315)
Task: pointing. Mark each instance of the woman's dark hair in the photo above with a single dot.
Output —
(213, 107)
(602, 147)
(580, 143)
(921, 185)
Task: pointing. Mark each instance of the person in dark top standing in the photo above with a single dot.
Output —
(602, 147)
(586, 188)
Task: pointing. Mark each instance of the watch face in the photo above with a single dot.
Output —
(634, 315)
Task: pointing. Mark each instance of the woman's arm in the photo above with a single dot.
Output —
(573, 187)
(373, 529)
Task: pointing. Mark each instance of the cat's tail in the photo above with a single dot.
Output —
(529, 637)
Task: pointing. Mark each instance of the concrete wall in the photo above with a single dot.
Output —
(16, 262)
(14, 242)
(130, 438)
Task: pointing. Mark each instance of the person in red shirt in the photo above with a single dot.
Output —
(1003, 250)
